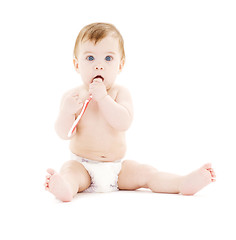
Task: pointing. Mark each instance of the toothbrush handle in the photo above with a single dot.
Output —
(85, 105)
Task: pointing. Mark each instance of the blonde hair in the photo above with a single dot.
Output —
(96, 32)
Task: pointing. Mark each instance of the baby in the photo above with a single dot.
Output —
(98, 143)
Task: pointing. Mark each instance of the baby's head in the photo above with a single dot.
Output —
(99, 51)
(95, 32)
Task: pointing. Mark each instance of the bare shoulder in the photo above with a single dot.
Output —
(123, 97)
(122, 93)
(120, 90)
(71, 92)
(80, 91)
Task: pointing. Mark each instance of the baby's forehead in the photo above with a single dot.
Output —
(109, 44)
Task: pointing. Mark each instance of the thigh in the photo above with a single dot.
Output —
(134, 175)
(77, 173)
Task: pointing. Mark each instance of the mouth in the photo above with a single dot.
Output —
(98, 76)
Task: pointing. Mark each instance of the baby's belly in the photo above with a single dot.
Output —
(105, 147)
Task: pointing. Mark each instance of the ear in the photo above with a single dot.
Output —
(76, 64)
(122, 63)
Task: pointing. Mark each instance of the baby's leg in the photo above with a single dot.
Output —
(73, 178)
(134, 176)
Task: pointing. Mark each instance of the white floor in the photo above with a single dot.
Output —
(36, 214)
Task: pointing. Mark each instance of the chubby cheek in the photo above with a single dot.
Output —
(85, 73)
(112, 73)
(110, 78)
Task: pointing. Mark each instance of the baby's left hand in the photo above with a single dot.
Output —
(97, 89)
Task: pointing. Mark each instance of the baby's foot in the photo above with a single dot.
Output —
(197, 180)
(58, 186)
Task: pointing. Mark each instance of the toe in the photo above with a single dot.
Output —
(212, 172)
(51, 171)
(207, 166)
(47, 180)
(48, 177)
(46, 186)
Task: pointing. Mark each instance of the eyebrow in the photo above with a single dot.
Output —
(88, 52)
(111, 53)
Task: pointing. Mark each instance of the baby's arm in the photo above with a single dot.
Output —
(119, 112)
(70, 105)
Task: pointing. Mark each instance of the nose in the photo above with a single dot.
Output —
(99, 67)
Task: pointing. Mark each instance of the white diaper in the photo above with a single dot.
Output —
(104, 175)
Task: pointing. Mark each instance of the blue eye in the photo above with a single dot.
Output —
(108, 58)
(90, 58)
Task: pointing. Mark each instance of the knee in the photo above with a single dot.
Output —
(145, 174)
(72, 166)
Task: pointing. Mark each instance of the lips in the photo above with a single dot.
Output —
(98, 76)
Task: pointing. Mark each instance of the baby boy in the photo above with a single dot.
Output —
(98, 143)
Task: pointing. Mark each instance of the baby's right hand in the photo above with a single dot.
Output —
(72, 103)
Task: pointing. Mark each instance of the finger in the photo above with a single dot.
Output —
(94, 84)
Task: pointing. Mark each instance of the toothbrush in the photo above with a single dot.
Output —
(85, 105)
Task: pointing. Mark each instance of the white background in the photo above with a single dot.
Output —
(180, 70)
